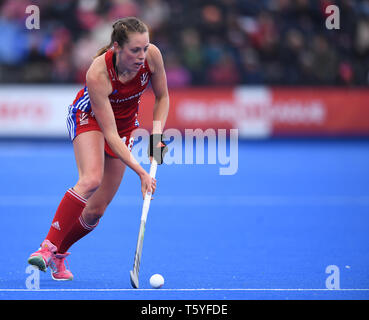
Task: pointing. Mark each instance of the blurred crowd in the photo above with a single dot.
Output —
(204, 42)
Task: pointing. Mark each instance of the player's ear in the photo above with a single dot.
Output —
(116, 47)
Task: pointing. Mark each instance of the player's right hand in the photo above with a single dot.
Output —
(148, 184)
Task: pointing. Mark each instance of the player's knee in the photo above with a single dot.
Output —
(89, 184)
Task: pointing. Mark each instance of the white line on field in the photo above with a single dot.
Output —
(173, 290)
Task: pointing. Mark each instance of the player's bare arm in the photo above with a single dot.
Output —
(160, 88)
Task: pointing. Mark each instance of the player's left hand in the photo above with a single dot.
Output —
(157, 148)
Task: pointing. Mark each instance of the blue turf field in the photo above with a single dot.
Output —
(268, 232)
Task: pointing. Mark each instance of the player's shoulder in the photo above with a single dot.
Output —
(97, 69)
(153, 50)
(154, 57)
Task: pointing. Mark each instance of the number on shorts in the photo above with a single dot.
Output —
(130, 142)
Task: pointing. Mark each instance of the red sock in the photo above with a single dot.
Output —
(78, 231)
(70, 208)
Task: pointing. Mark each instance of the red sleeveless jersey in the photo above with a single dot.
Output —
(124, 99)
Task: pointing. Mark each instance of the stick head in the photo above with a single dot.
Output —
(134, 279)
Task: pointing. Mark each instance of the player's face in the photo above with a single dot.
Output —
(132, 55)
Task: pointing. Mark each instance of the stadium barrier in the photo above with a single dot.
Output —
(258, 112)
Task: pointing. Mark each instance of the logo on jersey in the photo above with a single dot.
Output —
(83, 118)
(144, 78)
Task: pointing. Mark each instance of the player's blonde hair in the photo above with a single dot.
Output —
(121, 29)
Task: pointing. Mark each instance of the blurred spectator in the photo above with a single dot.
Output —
(362, 36)
(345, 71)
(325, 64)
(252, 71)
(292, 49)
(229, 42)
(192, 54)
(224, 72)
(177, 75)
(154, 13)
(14, 47)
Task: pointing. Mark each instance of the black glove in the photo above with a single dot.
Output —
(157, 147)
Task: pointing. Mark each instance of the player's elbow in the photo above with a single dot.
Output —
(162, 102)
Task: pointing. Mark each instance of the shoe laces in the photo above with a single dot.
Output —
(59, 262)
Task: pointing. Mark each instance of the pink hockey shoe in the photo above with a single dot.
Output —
(42, 257)
(59, 271)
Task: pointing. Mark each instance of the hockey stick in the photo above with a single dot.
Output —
(145, 210)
